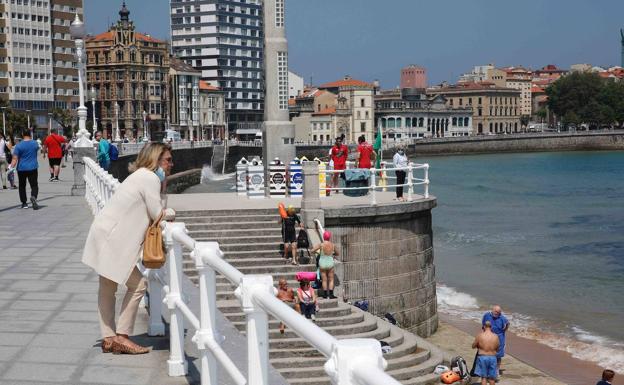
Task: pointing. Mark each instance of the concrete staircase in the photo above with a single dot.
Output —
(250, 240)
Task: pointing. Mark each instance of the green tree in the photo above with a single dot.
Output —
(576, 96)
(65, 119)
(542, 113)
(524, 120)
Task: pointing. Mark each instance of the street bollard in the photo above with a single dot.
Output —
(295, 179)
(255, 180)
(241, 176)
(277, 181)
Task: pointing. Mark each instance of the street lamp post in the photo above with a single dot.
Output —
(117, 136)
(93, 95)
(49, 122)
(77, 31)
(146, 136)
(28, 124)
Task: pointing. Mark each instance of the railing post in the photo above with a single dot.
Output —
(348, 355)
(373, 186)
(426, 180)
(257, 327)
(207, 308)
(156, 325)
(176, 362)
(410, 181)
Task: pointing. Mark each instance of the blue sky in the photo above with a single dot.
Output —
(373, 39)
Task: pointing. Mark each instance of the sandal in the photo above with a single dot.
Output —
(128, 347)
(107, 345)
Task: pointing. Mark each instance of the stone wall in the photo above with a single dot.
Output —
(179, 182)
(588, 141)
(387, 258)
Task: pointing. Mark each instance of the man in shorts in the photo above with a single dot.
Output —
(339, 153)
(487, 343)
(286, 295)
(53, 146)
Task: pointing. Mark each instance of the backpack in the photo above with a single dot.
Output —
(362, 305)
(459, 365)
(390, 318)
(113, 152)
(302, 240)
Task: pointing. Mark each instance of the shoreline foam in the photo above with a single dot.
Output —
(579, 343)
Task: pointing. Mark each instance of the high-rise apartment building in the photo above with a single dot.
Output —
(37, 63)
(224, 39)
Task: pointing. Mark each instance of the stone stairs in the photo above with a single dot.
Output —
(250, 241)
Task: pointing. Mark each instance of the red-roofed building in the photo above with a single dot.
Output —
(211, 111)
(129, 72)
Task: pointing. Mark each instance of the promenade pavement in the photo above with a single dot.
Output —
(49, 330)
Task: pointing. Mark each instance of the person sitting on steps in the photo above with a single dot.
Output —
(328, 253)
(287, 295)
(307, 300)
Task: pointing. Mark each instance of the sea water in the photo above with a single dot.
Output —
(541, 234)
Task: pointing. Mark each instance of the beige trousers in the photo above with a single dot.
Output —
(137, 285)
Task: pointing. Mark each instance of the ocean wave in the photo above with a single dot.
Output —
(207, 175)
(452, 238)
(577, 341)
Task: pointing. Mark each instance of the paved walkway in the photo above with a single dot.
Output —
(49, 330)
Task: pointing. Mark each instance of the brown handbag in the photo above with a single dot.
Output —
(154, 256)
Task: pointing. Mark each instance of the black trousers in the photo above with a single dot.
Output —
(400, 180)
(31, 176)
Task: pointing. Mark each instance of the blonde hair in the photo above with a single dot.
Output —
(149, 157)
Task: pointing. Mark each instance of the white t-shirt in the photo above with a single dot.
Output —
(2, 149)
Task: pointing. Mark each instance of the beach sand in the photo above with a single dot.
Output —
(526, 362)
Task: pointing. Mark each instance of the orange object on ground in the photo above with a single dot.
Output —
(450, 377)
(282, 211)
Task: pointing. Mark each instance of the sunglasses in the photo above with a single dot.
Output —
(168, 160)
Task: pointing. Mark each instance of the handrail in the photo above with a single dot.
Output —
(350, 361)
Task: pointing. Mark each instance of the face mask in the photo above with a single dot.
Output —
(401, 152)
(161, 174)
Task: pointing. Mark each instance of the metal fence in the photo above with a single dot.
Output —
(350, 361)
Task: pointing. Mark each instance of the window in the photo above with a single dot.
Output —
(282, 77)
(363, 127)
(279, 13)
(362, 103)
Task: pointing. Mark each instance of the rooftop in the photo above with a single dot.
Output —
(204, 85)
(346, 82)
(110, 36)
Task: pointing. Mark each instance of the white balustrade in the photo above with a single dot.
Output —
(350, 361)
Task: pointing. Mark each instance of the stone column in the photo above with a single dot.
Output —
(311, 202)
(279, 132)
(78, 188)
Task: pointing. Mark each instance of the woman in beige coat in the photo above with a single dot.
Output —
(115, 243)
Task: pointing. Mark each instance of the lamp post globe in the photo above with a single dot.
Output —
(77, 32)
(93, 96)
(146, 135)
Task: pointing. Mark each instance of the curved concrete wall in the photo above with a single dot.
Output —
(387, 258)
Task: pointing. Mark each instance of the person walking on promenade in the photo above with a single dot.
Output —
(53, 147)
(115, 239)
(499, 327)
(287, 295)
(10, 145)
(487, 343)
(103, 149)
(290, 233)
(339, 154)
(399, 160)
(4, 160)
(607, 377)
(365, 154)
(25, 161)
(307, 299)
(326, 265)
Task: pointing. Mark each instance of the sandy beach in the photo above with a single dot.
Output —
(526, 362)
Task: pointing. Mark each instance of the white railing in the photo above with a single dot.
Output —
(380, 175)
(350, 361)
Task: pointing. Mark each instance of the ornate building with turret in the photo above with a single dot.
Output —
(129, 72)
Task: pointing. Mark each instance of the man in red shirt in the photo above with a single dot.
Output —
(339, 153)
(53, 146)
(366, 154)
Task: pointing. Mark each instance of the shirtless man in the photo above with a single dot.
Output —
(286, 295)
(487, 343)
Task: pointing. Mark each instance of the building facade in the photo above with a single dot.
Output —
(495, 110)
(314, 115)
(410, 114)
(355, 108)
(296, 85)
(520, 79)
(413, 76)
(223, 39)
(129, 72)
(184, 99)
(37, 63)
(211, 112)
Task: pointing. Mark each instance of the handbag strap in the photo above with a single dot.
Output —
(156, 223)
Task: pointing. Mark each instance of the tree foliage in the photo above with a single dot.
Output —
(587, 98)
(15, 120)
(65, 119)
